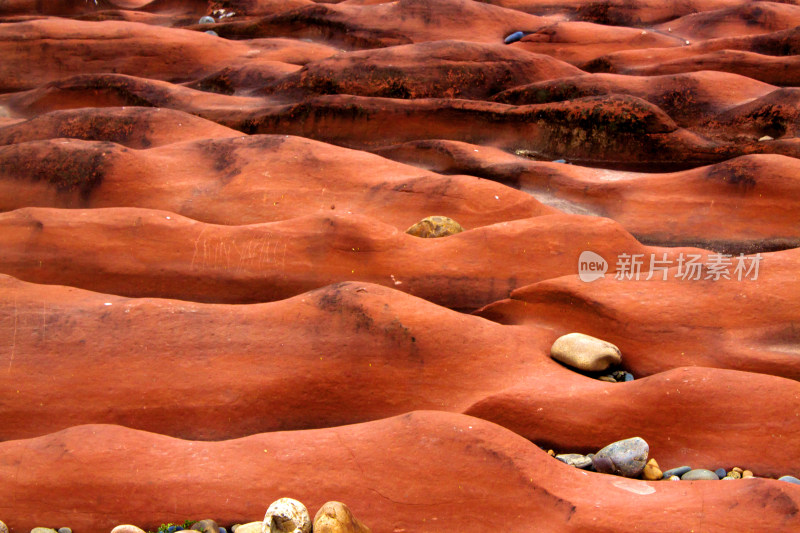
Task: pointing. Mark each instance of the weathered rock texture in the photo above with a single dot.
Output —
(238, 192)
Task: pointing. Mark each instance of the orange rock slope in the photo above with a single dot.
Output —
(208, 300)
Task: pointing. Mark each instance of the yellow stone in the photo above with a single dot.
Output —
(435, 226)
(651, 471)
(335, 517)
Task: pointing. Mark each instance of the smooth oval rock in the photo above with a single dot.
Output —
(585, 352)
(747, 474)
(206, 526)
(575, 459)
(514, 37)
(720, 472)
(434, 227)
(336, 517)
(64, 530)
(625, 457)
(700, 474)
(790, 479)
(127, 528)
(206, 20)
(286, 516)
(43, 530)
(651, 471)
(679, 471)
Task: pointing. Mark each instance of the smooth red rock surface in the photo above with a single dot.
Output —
(511, 478)
(245, 180)
(756, 333)
(259, 172)
(142, 252)
(319, 342)
(732, 203)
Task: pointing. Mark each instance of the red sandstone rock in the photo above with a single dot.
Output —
(579, 42)
(246, 180)
(389, 24)
(45, 50)
(732, 204)
(743, 324)
(618, 12)
(691, 99)
(118, 90)
(454, 69)
(744, 19)
(510, 477)
(141, 252)
(135, 127)
(70, 344)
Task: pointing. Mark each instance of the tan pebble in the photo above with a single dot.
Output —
(736, 469)
(747, 473)
(651, 471)
(336, 517)
(551, 453)
(609, 379)
(585, 352)
(127, 528)
(673, 478)
(250, 527)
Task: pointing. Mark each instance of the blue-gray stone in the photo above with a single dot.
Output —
(514, 37)
(212, 32)
(625, 457)
(720, 472)
(64, 530)
(223, 530)
(559, 160)
(681, 470)
(700, 474)
(207, 20)
(790, 479)
(575, 459)
(628, 376)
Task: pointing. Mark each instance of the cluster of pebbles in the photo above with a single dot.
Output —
(283, 516)
(628, 457)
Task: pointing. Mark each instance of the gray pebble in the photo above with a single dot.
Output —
(720, 472)
(790, 479)
(726, 478)
(64, 530)
(628, 376)
(700, 474)
(559, 161)
(207, 20)
(575, 459)
(681, 470)
(625, 457)
(212, 32)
